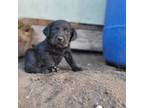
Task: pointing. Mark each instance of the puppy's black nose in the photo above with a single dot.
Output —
(60, 39)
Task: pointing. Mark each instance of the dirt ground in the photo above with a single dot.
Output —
(97, 85)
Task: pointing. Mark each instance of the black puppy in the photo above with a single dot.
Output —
(46, 56)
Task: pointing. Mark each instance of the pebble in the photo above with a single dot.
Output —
(99, 106)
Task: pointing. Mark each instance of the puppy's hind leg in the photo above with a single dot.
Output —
(31, 62)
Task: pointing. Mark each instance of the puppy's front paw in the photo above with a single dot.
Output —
(75, 69)
(53, 69)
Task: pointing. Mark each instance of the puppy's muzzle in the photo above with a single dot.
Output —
(60, 39)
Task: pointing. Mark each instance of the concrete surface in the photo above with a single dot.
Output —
(97, 85)
(83, 11)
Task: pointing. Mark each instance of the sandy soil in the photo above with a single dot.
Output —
(98, 84)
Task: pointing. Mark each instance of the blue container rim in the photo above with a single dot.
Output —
(114, 26)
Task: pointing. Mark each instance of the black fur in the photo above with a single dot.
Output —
(46, 56)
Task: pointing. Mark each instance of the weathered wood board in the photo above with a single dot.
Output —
(88, 40)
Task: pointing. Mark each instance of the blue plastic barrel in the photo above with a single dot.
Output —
(114, 34)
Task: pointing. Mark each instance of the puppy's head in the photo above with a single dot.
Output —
(60, 33)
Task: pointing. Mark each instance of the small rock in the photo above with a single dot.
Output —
(27, 97)
(99, 106)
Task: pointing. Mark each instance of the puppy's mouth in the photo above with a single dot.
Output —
(58, 44)
(61, 45)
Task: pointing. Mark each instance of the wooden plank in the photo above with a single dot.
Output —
(88, 40)
(44, 22)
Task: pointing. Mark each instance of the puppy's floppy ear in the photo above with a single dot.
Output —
(73, 35)
(46, 31)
